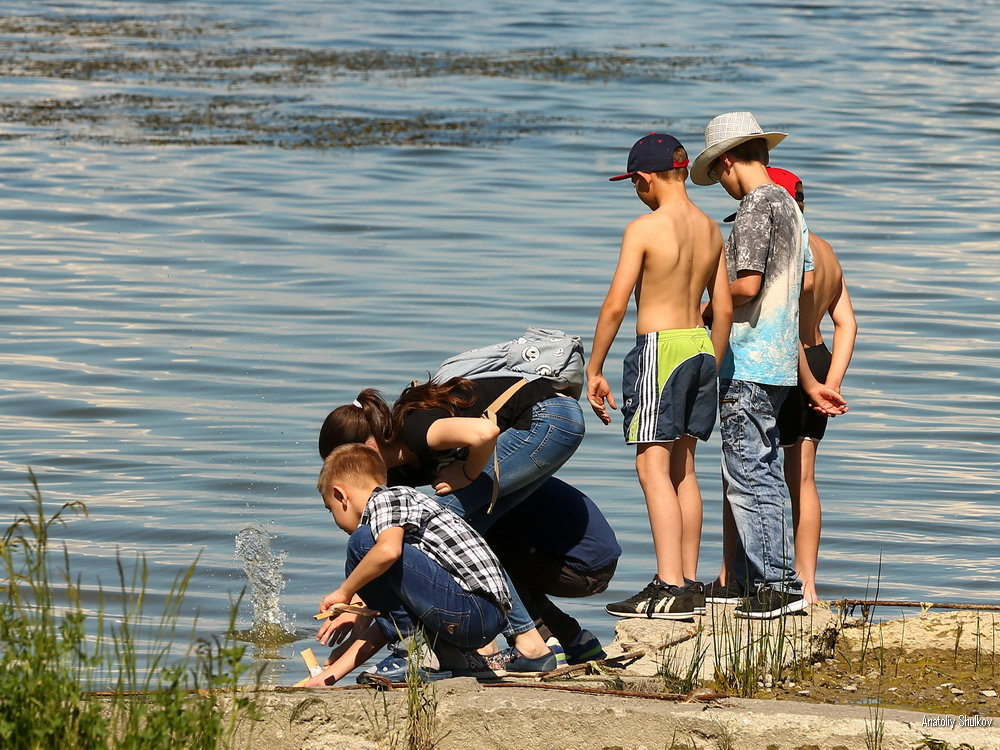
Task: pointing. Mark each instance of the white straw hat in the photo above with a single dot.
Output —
(725, 132)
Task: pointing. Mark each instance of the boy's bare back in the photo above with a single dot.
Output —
(828, 284)
(677, 247)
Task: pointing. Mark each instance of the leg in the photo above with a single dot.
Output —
(800, 473)
(685, 482)
(652, 464)
(417, 591)
(755, 487)
(536, 575)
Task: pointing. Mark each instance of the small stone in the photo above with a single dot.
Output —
(946, 685)
(803, 693)
(988, 693)
(893, 690)
(956, 691)
(789, 684)
(768, 680)
(850, 688)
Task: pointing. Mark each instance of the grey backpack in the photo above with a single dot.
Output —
(538, 353)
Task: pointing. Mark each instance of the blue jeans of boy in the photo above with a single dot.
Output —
(416, 592)
(527, 458)
(754, 484)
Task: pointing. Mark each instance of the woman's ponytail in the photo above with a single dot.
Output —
(367, 417)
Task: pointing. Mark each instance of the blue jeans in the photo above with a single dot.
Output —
(527, 459)
(754, 484)
(416, 592)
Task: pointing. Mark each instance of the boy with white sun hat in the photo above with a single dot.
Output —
(766, 255)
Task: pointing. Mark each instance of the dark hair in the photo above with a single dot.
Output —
(374, 419)
(752, 150)
(350, 462)
(450, 395)
(369, 417)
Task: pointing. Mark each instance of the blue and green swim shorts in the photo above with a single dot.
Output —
(670, 387)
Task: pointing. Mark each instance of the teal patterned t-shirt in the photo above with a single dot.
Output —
(768, 236)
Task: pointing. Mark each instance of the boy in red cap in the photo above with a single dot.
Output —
(800, 426)
(669, 257)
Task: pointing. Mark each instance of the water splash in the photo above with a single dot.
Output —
(265, 582)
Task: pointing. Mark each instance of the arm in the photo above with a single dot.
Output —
(746, 287)
(845, 332)
(387, 549)
(721, 305)
(477, 434)
(609, 321)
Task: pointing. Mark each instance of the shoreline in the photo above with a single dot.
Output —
(607, 708)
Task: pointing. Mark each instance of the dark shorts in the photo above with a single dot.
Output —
(670, 387)
(796, 420)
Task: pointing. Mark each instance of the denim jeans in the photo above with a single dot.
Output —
(754, 484)
(417, 592)
(527, 458)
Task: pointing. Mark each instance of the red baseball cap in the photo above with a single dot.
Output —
(787, 180)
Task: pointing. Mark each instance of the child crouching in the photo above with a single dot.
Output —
(417, 563)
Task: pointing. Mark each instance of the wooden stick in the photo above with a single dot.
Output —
(353, 609)
(312, 664)
(923, 605)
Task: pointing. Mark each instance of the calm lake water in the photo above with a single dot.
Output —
(222, 219)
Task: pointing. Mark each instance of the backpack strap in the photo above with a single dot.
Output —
(491, 414)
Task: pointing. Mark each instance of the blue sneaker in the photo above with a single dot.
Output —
(393, 669)
(513, 663)
(585, 647)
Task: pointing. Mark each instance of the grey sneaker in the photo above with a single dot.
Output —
(658, 600)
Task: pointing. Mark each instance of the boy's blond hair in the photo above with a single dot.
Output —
(351, 462)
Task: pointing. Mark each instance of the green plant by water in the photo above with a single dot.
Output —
(111, 675)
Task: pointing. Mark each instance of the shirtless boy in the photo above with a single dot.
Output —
(801, 427)
(669, 257)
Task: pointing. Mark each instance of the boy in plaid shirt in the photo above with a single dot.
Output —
(416, 562)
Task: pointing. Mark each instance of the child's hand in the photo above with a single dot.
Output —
(598, 391)
(334, 597)
(317, 681)
(336, 629)
(826, 400)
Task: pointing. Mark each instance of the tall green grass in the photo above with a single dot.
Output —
(110, 675)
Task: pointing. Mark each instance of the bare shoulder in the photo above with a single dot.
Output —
(651, 225)
(824, 256)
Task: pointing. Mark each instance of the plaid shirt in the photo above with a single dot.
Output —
(442, 536)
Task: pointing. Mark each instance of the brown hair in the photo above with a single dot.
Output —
(351, 462)
(752, 150)
(451, 396)
(371, 416)
(675, 174)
